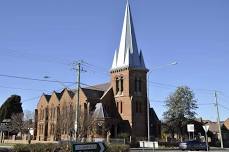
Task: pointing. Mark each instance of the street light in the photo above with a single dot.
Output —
(61, 83)
(148, 102)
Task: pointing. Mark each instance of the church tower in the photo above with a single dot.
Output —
(128, 78)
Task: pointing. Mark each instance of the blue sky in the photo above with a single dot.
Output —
(42, 38)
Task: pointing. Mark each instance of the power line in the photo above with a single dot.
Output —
(18, 88)
(45, 80)
(30, 99)
(25, 54)
(33, 79)
(223, 106)
(163, 101)
(157, 84)
(37, 97)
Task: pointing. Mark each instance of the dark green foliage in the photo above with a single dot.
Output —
(169, 144)
(181, 107)
(10, 106)
(21, 148)
(118, 148)
(39, 147)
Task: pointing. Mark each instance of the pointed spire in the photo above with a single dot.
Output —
(114, 59)
(127, 54)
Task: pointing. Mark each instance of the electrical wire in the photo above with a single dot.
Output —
(223, 106)
(18, 88)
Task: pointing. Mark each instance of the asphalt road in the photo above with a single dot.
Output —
(172, 150)
(5, 150)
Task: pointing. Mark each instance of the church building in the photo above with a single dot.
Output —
(118, 107)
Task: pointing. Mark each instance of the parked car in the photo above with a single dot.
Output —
(193, 145)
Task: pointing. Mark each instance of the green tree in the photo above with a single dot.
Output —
(11, 106)
(181, 107)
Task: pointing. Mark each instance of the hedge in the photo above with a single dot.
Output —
(41, 147)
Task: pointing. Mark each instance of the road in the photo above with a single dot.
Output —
(6, 148)
(166, 150)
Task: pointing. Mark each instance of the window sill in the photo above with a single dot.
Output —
(119, 94)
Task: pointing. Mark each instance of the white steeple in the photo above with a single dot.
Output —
(127, 55)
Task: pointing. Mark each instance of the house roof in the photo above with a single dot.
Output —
(213, 126)
(101, 87)
(92, 93)
(71, 93)
(47, 97)
(153, 114)
(226, 123)
(59, 94)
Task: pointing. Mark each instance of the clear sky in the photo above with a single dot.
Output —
(42, 38)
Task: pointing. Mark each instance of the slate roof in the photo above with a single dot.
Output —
(101, 87)
(92, 93)
(153, 114)
(213, 126)
(59, 95)
(71, 93)
(47, 97)
(96, 91)
(128, 55)
(226, 123)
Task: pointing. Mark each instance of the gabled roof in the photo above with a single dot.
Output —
(71, 93)
(59, 95)
(47, 97)
(226, 123)
(89, 93)
(100, 87)
(153, 114)
(127, 55)
(213, 126)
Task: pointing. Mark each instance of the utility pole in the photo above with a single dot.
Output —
(218, 119)
(148, 100)
(78, 69)
(148, 107)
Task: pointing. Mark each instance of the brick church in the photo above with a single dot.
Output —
(118, 107)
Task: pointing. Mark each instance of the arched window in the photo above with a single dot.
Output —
(140, 85)
(140, 107)
(117, 85)
(136, 107)
(137, 84)
(117, 105)
(121, 84)
(121, 107)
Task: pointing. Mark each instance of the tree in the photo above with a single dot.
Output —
(181, 107)
(17, 123)
(66, 121)
(10, 106)
(28, 115)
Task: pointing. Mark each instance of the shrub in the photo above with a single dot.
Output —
(21, 148)
(42, 148)
(169, 144)
(118, 148)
